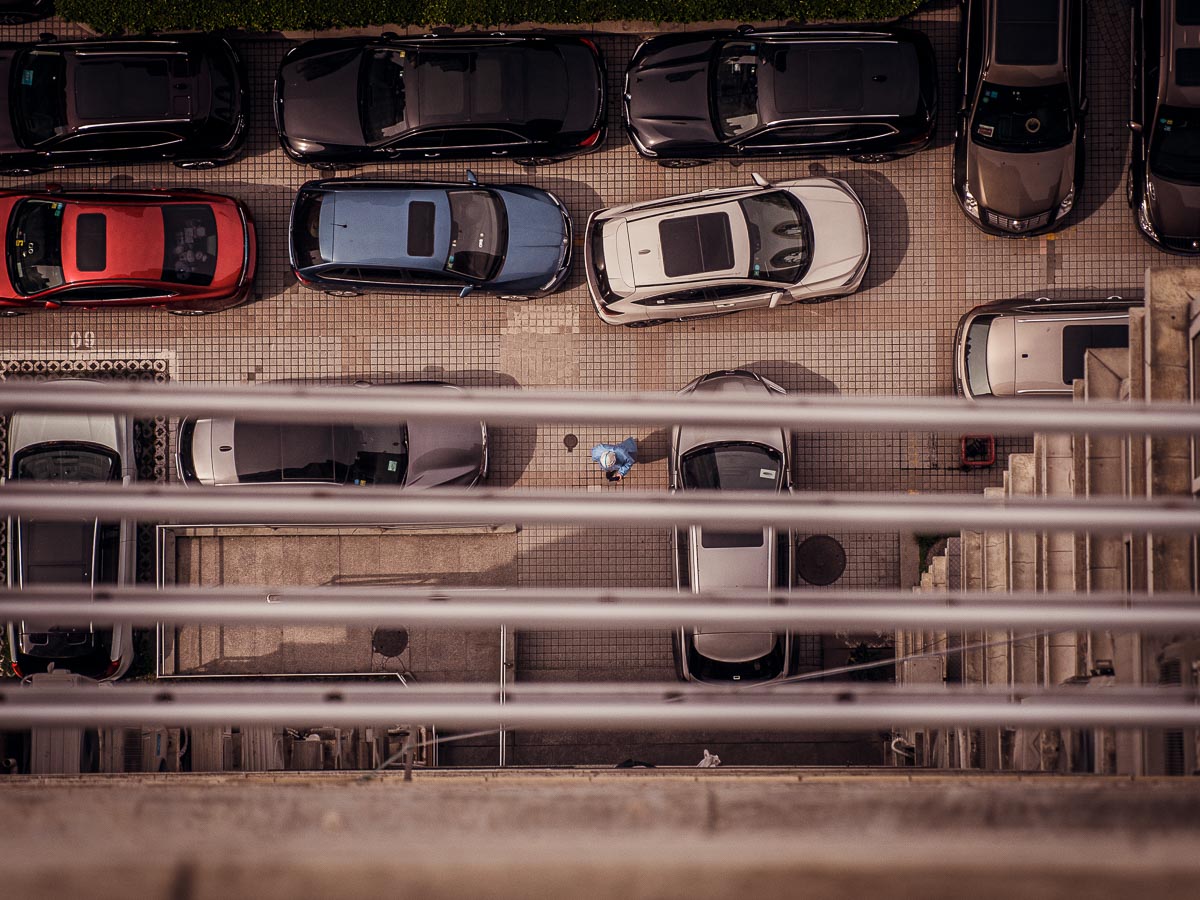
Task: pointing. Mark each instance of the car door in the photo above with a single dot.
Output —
(679, 304)
(102, 295)
(482, 143)
(93, 148)
(423, 145)
(737, 296)
(970, 67)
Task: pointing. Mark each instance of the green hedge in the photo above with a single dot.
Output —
(111, 16)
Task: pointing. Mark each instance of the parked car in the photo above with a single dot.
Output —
(725, 250)
(725, 458)
(189, 252)
(1034, 348)
(350, 236)
(869, 93)
(1163, 186)
(412, 454)
(120, 101)
(70, 449)
(1018, 145)
(16, 12)
(532, 99)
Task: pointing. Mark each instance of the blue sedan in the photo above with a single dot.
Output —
(354, 235)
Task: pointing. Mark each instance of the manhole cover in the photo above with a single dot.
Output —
(389, 642)
(820, 559)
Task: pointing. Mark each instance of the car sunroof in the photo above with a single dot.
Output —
(1026, 32)
(420, 228)
(1187, 12)
(695, 244)
(1187, 67)
(91, 242)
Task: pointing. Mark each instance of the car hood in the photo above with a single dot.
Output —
(839, 229)
(443, 453)
(319, 99)
(8, 139)
(538, 236)
(1176, 208)
(730, 387)
(27, 429)
(669, 97)
(1020, 185)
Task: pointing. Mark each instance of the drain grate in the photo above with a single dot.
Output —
(151, 437)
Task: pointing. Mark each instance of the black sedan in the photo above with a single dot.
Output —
(1164, 176)
(870, 94)
(354, 235)
(83, 103)
(364, 100)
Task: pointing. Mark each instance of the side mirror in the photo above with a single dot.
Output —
(390, 36)
(745, 29)
(1083, 106)
(471, 179)
(466, 290)
(1135, 127)
(759, 180)
(47, 37)
(54, 187)
(777, 298)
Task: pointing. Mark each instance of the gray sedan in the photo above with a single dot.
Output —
(708, 559)
(410, 454)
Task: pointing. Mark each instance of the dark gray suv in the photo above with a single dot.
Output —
(1018, 144)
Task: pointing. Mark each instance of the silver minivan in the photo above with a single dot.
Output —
(1034, 348)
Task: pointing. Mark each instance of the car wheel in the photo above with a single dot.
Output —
(189, 312)
(11, 313)
(682, 163)
(515, 298)
(197, 164)
(646, 323)
(532, 161)
(873, 157)
(343, 293)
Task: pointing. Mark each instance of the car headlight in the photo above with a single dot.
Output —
(1067, 202)
(970, 204)
(303, 146)
(1143, 219)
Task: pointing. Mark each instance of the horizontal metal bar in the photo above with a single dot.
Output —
(573, 608)
(625, 509)
(595, 707)
(798, 412)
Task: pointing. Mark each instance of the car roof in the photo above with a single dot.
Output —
(386, 226)
(1027, 42)
(688, 243)
(1182, 51)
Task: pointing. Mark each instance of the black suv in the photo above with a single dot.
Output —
(83, 103)
(361, 100)
(870, 94)
(1018, 143)
(1163, 186)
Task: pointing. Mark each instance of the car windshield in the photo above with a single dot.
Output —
(780, 235)
(35, 245)
(1022, 119)
(735, 87)
(733, 466)
(381, 94)
(1175, 145)
(189, 244)
(40, 96)
(976, 357)
(64, 462)
(478, 234)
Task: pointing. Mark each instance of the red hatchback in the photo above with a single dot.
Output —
(187, 251)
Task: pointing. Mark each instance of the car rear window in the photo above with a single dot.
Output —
(1026, 32)
(695, 244)
(1078, 339)
(189, 244)
(727, 540)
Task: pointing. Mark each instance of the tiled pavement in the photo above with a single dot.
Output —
(929, 266)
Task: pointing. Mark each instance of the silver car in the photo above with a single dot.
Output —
(727, 249)
(708, 559)
(71, 449)
(410, 454)
(1034, 348)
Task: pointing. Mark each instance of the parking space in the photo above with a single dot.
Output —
(929, 266)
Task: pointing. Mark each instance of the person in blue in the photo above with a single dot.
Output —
(616, 459)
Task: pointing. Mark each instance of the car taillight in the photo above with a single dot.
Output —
(590, 43)
(591, 139)
(112, 668)
(16, 669)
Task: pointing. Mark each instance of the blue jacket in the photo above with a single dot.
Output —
(626, 452)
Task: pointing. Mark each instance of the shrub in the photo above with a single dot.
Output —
(136, 16)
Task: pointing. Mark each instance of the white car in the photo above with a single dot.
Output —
(725, 250)
(70, 449)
